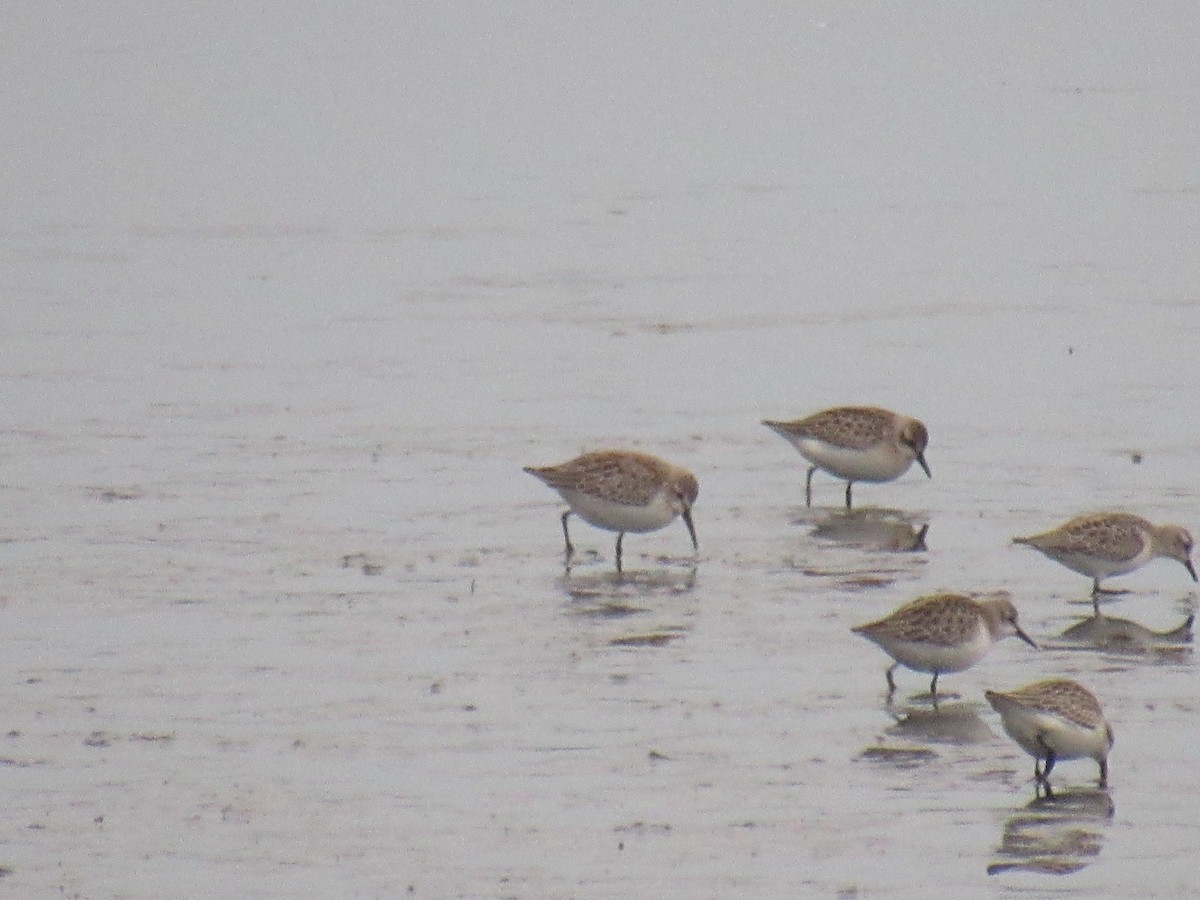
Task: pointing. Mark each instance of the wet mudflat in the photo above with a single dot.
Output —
(272, 650)
(283, 617)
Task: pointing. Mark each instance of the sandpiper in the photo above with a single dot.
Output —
(1052, 720)
(622, 490)
(1112, 543)
(857, 443)
(943, 633)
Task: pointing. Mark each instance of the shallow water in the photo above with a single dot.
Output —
(282, 615)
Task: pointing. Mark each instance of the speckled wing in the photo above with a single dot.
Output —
(1114, 536)
(1062, 698)
(945, 619)
(852, 427)
(618, 476)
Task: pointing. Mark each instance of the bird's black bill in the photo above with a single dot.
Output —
(924, 465)
(1191, 570)
(687, 520)
(1026, 638)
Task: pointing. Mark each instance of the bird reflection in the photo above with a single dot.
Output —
(1123, 635)
(1056, 836)
(872, 529)
(615, 589)
(949, 723)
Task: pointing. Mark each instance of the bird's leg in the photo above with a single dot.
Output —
(1098, 592)
(808, 486)
(1041, 786)
(1104, 773)
(891, 682)
(1043, 776)
(567, 535)
(849, 485)
(1050, 760)
(1108, 592)
(620, 535)
(933, 689)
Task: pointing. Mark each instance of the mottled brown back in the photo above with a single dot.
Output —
(852, 427)
(945, 619)
(1063, 697)
(619, 476)
(1116, 536)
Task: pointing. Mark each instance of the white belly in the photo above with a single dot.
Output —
(1098, 567)
(656, 514)
(883, 462)
(934, 658)
(1066, 739)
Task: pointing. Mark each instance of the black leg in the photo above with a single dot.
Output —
(567, 534)
(1041, 784)
(1104, 773)
(1042, 775)
(890, 680)
(933, 688)
(1050, 760)
(620, 535)
(849, 484)
(1098, 592)
(808, 486)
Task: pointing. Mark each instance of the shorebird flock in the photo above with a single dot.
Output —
(1053, 719)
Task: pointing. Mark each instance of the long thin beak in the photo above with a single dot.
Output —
(1191, 569)
(924, 465)
(1023, 636)
(687, 520)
